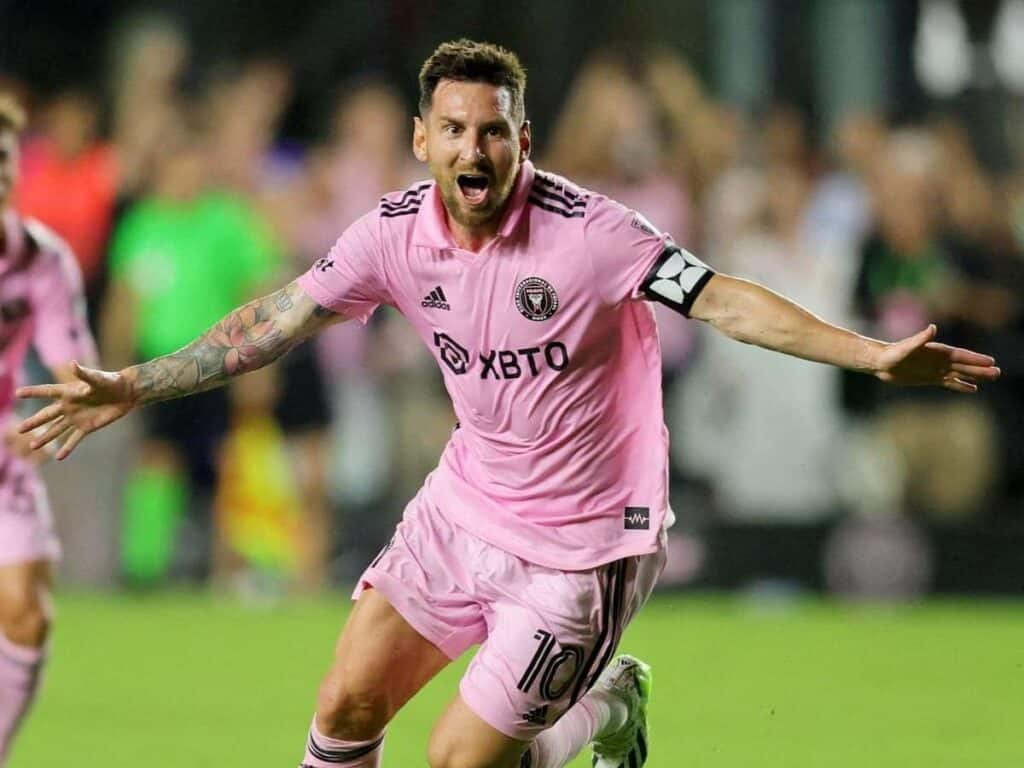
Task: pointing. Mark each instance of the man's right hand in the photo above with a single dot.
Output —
(90, 402)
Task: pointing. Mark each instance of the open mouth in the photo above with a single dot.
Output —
(474, 187)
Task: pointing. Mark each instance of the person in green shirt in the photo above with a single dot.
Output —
(180, 258)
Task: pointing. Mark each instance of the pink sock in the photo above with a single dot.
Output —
(595, 713)
(325, 752)
(19, 678)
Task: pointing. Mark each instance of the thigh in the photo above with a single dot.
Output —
(552, 634)
(430, 573)
(380, 659)
(415, 612)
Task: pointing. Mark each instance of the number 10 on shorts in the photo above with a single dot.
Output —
(556, 672)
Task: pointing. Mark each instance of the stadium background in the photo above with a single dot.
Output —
(861, 156)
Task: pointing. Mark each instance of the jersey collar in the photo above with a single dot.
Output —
(431, 227)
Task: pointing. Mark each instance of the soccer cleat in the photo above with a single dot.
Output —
(629, 679)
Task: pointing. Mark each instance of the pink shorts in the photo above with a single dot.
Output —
(26, 525)
(546, 635)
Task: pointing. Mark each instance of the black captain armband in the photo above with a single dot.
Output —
(676, 279)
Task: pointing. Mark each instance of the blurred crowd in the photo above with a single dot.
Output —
(183, 202)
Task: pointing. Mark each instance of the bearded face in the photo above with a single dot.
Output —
(474, 147)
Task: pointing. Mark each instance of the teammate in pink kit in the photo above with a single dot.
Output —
(41, 304)
(541, 532)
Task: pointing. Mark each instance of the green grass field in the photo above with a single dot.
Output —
(195, 682)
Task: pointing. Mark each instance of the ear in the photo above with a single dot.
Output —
(525, 141)
(419, 139)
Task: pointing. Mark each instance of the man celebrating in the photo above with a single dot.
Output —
(41, 304)
(541, 532)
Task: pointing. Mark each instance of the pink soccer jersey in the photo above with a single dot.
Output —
(41, 303)
(548, 351)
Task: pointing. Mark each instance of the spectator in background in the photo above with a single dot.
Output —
(180, 257)
(840, 207)
(390, 414)
(739, 399)
(977, 228)
(148, 59)
(700, 135)
(243, 106)
(910, 276)
(631, 150)
(70, 181)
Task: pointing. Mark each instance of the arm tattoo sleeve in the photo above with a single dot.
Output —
(251, 337)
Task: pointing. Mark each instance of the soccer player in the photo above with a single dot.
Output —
(41, 303)
(541, 532)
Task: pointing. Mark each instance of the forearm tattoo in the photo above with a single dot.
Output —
(251, 337)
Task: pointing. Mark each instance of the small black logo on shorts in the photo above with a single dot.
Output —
(538, 716)
(637, 518)
(536, 299)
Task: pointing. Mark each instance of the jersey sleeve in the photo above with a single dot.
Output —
(61, 329)
(632, 260)
(349, 280)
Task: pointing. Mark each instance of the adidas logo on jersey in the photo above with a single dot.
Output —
(436, 300)
(538, 716)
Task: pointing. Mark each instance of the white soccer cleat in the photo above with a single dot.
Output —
(629, 679)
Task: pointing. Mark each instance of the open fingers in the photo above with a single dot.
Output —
(960, 385)
(55, 430)
(91, 376)
(983, 372)
(77, 435)
(49, 391)
(42, 416)
(966, 356)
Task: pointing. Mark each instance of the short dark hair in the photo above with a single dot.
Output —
(470, 61)
(12, 116)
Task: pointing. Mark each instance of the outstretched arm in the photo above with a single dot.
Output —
(751, 313)
(248, 338)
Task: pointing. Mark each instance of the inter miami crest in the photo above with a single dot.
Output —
(536, 299)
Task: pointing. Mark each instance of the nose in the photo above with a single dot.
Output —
(472, 149)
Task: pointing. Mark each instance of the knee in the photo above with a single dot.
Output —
(25, 621)
(448, 750)
(445, 752)
(351, 712)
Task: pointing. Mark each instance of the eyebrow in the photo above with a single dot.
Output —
(488, 124)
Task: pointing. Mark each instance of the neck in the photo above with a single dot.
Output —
(472, 238)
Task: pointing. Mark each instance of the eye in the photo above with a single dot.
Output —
(495, 132)
(451, 130)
